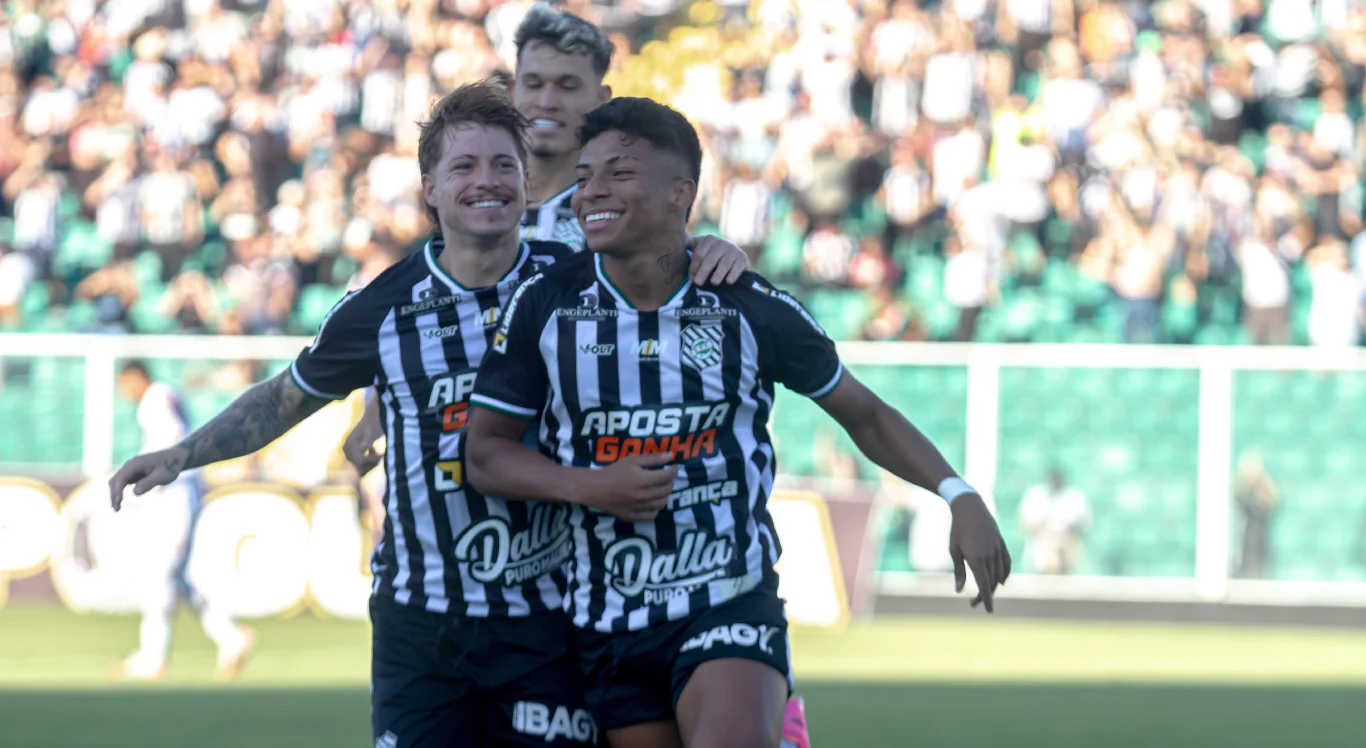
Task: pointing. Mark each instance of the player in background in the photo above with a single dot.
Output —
(561, 62)
(469, 634)
(164, 521)
(651, 397)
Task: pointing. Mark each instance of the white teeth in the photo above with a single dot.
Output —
(546, 123)
(489, 204)
(605, 216)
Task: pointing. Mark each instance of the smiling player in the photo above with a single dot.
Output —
(651, 397)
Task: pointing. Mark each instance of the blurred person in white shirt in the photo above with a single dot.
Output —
(1335, 311)
(1053, 516)
(164, 520)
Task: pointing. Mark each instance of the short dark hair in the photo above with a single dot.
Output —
(566, 33)
(662, 126)
(135, 365)
(483, 103)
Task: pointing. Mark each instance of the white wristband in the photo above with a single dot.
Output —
(952, 488)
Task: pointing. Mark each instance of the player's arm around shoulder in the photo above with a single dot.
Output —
(716, 261)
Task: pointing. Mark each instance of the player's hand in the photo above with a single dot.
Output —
(975, 542)
(715, 261)
(634, 488)
(146, 472)
(359, 449)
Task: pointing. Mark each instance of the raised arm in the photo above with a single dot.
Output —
(258, 417)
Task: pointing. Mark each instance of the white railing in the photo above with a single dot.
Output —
(1216, 366)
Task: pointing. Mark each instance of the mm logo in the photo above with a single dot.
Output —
(651, 348)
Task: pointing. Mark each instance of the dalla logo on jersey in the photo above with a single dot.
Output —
(636, 568)
(589, 309)
(689, 431)
(449, 399)
(500, 338)
(497, 555)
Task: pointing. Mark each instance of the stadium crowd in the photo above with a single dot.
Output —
(1049, 170)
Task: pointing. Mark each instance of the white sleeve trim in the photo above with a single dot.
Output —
(499, 405)
(829, 386)
(308, 388)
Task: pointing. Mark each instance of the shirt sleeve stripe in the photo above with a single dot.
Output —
(830, 386)
(484, 401)
(308, 388)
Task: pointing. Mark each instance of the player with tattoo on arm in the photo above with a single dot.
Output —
(561, 62)
(470, 639)
(651, 398)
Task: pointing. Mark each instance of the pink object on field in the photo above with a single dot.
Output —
(794, 725)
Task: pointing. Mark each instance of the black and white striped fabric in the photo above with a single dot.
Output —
(419, 336)
(605, 381)
(554, 221)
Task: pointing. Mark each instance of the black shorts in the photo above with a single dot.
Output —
(443, 681)
(637, 676)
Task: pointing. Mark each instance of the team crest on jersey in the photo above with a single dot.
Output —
(701, 345)
(490, 316)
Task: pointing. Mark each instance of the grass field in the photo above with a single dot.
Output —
(890, 683)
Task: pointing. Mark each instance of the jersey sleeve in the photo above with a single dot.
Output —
(343, 358)
(795, 351)
(512, 379)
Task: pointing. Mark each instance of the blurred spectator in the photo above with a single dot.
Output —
(1256, 495)
(1194, 148)
(1053, 517)
(1335, 313)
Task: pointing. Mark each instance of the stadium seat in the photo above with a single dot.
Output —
(315, 301)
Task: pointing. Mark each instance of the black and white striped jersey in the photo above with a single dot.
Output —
(695, 378)
(554, 221)
(418, 336)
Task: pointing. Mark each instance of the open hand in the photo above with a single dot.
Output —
(975, 542)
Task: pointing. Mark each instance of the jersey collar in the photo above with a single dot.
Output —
(436, 244)
(625, 303)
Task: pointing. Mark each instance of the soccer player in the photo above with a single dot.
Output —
(470, 642)
(164, 520)
(651, 398)
(561, 62)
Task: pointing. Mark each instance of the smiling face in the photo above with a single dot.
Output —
(556, 90)
(478, 186)
(629, 191)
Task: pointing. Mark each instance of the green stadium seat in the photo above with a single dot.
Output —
(315, 301)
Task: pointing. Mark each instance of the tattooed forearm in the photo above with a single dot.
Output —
(260, 416)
